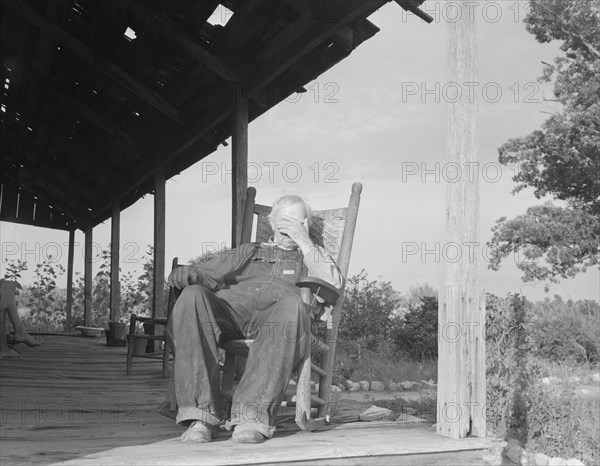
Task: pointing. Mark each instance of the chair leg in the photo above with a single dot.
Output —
(303, 394)
(130, 343)
(165, 359)
(228, 381)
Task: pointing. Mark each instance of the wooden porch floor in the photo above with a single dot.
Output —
(70, 402)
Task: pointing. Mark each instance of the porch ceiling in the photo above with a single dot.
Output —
(87, 110)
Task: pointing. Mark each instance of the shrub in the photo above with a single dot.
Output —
(562, 422)
(567, 331)
(369, 312)
(417, 335)
(508, 364)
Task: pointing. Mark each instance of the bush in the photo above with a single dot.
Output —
(508, 364)
(567, 331)
(417, 335)
(369, 312)
(545, 418)
(563, 423)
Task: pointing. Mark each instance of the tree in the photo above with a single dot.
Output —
(562, 159)
(418, 334)
(368, 312)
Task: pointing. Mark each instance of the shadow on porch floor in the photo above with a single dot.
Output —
(70, 402)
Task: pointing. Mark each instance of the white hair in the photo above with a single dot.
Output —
(287, 200)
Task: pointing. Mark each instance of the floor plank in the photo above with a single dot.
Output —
(70, 402)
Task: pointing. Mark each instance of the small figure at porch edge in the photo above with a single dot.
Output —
(8, 307)
(248, 292)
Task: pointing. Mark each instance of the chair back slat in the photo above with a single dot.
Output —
(329, 228)
(326, 230)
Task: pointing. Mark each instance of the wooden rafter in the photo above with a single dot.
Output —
(48, 47)
(62, 180)
(100, 63)
(48, 198)
(165, 27)
(303, 43)
(109, 171)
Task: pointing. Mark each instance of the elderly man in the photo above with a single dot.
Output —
(248, 292)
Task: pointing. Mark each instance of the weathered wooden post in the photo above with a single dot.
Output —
(461, 349)
(239, 163)
(87, 278)
(158, 292)
(69, 300)
(115, 244)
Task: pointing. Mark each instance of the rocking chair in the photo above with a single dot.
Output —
(333, 230)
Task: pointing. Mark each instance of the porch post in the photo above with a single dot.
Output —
(461, 348)
(115, 240)
(69, 301)
(87, 279)
(239, 164)
(158, 294)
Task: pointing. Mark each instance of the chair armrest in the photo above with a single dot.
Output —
(321, 288)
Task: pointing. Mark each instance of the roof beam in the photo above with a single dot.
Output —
(167, 29)
(66, 183)
(67, 210)
(413, 7)
(99, 62)
(33, 71)
(110, 173)
(193, 140)
(97, 120)
(70, 205)
(302, 43)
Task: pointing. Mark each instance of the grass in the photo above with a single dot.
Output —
(563, 420)
(384, 365)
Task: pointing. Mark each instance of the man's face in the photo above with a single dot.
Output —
(295, 212)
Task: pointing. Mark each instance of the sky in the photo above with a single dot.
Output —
(380, 118)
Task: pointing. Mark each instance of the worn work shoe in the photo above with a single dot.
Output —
(198, 432)
(246, 434)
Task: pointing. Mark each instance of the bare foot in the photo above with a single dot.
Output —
(9, 353)
(27, 339)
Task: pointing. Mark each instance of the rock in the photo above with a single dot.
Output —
(393, 386)
(513, 451)
(409, 418)
(546, 380)
(373, 413)
(540, 459)
(493, 456)
(334, 389)
(341, 387)
(353, 386)
(364, 385)
(574, 462)
(556, 461)
(428, 383)
(407, 385)
(596, 377)
(377, 386)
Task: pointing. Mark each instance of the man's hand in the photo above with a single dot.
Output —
(182, 276)
(296, 230)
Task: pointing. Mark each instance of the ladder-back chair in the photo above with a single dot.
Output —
(333, 230)
(158, 330)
